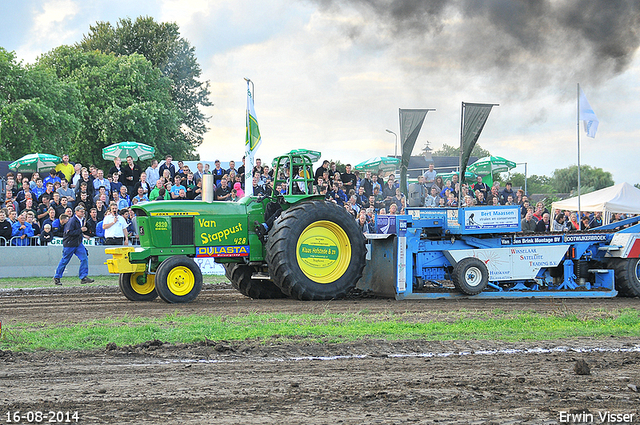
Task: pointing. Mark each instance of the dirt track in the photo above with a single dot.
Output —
(75, 304)
(374, 382)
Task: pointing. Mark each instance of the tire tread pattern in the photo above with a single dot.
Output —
(240, 277)
(627, 282)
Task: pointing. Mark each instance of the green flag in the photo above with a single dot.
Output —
(251, 143)
(253, 132)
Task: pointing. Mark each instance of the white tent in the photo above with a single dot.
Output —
(621, 198)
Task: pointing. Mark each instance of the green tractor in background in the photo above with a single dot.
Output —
(294, 245)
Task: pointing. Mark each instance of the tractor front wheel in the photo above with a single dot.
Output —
(178, 279)
(138, 286)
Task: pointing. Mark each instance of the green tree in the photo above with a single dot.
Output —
(447, 150)
(162, 45)
(565, 180)
(38, 113)
(535, 183)
(125, 98)
(340, 167)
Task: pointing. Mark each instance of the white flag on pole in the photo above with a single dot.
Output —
(587, 116)
(252, 141)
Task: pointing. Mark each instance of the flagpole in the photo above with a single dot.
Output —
(461, 149)
(248, 154)
(578, 133)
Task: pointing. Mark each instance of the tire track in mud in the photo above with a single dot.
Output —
(74, 304)
(374, 382)
(110, 387)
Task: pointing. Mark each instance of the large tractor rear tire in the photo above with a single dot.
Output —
(627, 275)
(240, 277)
(470, 276)
(138, 286)
(178, 279)
(315, 251)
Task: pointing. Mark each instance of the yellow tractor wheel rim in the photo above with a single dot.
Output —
(180, 280)
(140, 285)
(323, 252)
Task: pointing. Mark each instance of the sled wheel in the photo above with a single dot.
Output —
(138, 286)
(240, 277)
(178, 279)
(470, 276)
(315, 251)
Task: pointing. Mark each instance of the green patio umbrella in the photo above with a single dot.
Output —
(384, 163)
(35, 162)
(491, 165)
(138, 151)
(313, 155)
(447, 176)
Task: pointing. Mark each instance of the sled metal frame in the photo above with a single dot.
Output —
(398, 260)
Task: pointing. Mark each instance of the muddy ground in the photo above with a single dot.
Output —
(368, 382)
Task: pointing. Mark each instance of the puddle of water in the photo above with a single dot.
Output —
(537, 350)
(509, 351)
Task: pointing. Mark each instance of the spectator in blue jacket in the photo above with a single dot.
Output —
(72, 245)
(57, 227)
(337, 195)
(22, 231)
(51, 178)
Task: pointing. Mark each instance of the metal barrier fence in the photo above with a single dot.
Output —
(26, 241)
(35, 241)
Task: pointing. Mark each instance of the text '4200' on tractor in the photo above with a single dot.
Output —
(306, 248)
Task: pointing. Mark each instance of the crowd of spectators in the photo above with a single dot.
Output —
(368, 194)
(35, 209)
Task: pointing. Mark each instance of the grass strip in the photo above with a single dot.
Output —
(326, 327)
(44, 282)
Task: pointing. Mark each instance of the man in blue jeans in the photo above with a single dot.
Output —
(72, 245)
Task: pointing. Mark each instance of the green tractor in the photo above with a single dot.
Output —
(294, 245)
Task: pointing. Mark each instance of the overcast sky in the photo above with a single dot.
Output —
(331, 75)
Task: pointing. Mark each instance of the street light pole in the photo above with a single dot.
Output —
(525, 176)
(396, 151)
